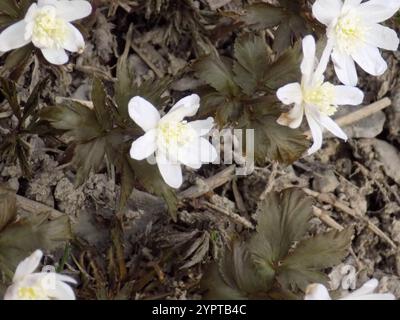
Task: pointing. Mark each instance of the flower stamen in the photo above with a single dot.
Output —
(49, 31)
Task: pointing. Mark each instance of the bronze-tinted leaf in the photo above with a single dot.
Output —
(251, 62)
(31, 105)
(217, 72)
(88, 157)
(263, 15)
(273, 141)
(9, 90)
(236, 277)
(33, 232)
(100, 105)
(149, 176)
(17, 61)
(78, 120)
(285, 69)
(325, 250)
(8, 208)
(282, 219)
(9, 7)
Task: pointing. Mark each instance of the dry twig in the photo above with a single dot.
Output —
(360, 114)
(331, 199)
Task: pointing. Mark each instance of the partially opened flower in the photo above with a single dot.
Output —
(173, 140)
(317, 99)
(354, 34)
(47, 25)
(28, 285)
(366, 292)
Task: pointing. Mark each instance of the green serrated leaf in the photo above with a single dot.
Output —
(285, 69)
(325, 250)
(282, 219)
(17, 60)
(217, 72)
(8, 207)
(20, 239)
(5, 20)
(9, 7)
(251, 62)
(236, 277)
(99, 98)
(263, 15)
(149, 176)
(88, 157)
(33, 100)
(273, 141)
(79, 121)
(9, 90)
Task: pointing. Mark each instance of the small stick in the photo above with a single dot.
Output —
(360, 113)
(209, 184)
(238, 197)
(271, 180)
(147, 61)
(234, 216)
(327, 219)
(344, 208)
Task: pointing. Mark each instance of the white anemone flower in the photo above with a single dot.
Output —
(47, 25)
(315, 98)
(28, 285)
(366, 292)
(173, 140)
(354, 34)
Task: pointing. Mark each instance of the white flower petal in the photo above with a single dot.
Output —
(62, 291)
(64, 278)
(293, 118)
(291, 93)
(186, 107)
(347, 95)
(144, 146)
(55, 56)
(191, 103)
(327, 10)
(309, 61)
(316, 132)
(367, 288)
(189, 155)
(42, 3)
(370, 60)
(317, 291)
(11, 293)
(28, 266)
(73, 10)
(377, 11)
(345, 68)
(13, 37)
(348, 4)
(30, 14)
(208, 153)
(202, 127)
(143, 113)
(74, 42)
(332, 127)
(382, 37)
(171, 172)
(373, 296)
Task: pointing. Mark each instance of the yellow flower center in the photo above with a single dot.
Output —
(349, 32)
(322, 97)
(49, 31)
(31, 293)
(175, 134)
